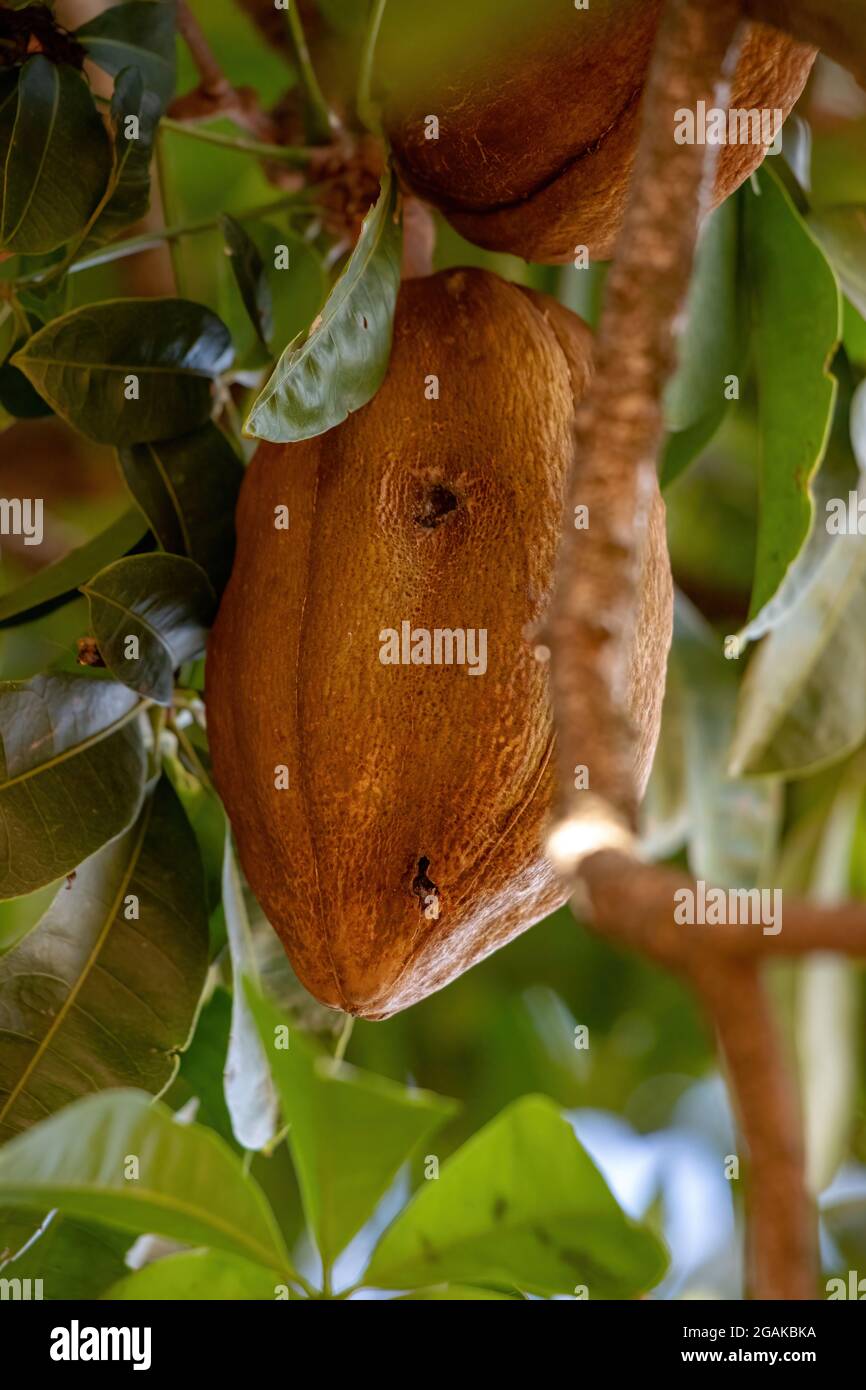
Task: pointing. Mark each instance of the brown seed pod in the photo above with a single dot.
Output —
(536, 136)
(407, 844)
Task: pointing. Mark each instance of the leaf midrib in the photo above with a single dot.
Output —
(208, 1218)
(73, 751)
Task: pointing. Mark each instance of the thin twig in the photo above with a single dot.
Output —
(148, 241)
(343, 1039)
(367, 111)
(323, 122)
(284, 154)
(213, 80)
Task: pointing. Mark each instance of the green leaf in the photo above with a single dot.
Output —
(250, 1093)
(521, 1205)
(103, 992)
(18, 916)
(58, 162)
(344, 359)
(711, 346)
(803, 698)
(837, 476)
(71, 774)
(842, 233)
(732, 826)
(797, 313)
(163, 602)
(188, 490)
(249, 272)
(205, 813)
(140, 34)
(73, 1259)
(203, 1063)
(683, 446)
(127, 198)
(186, 1184)
(826, 998)
(350, 1131)
(127, 371)
(200, 1275)
(60, 582)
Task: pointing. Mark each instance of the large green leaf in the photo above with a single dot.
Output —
(57, 583)
(150, 613)
(205, 1275)
(188, 489)
(797, 326)
(127, 371)
(350, 1131)
(120, 1159)
(103, 992)
(58, 162)
(343, 361)
(73, 1259)
(134, 117)
(520, 1205)
(71, 774)
(250, 1092)
(137, 33)
(837, 476)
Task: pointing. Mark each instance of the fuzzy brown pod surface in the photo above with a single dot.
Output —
(379, 650)
(524, 132)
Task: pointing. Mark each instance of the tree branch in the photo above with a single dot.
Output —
(781, 1225)
(213, 80)
(635, 903)
(618, 427)
(617, 435)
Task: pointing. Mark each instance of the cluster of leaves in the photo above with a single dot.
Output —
(760, 777)
(519, 1209)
